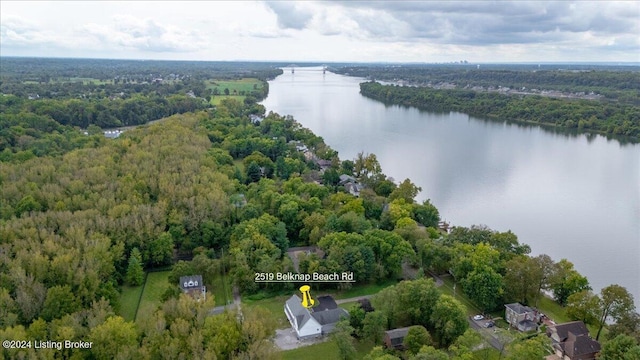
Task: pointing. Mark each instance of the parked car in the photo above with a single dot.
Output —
(478, 317)
(489, 324)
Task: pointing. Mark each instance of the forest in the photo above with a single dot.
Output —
(230, 189)
(590, 116)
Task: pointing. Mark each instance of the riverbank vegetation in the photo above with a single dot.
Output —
(609, 118)
(226, 192)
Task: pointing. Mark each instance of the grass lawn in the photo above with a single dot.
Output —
(245, 84)
(274, 305)
(553, 310)
(156, 285)
(487, 354)
(361, 290)
(321, 351)
(129, 300)
(325, 350)
(221, 290)
(447, 288)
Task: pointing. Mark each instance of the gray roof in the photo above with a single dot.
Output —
(326, 317)
(576, 327)
(325, 303)
(323, 317)
(519, 308)
(191, 282)
(396, 336)
(301, 314)
(580, 345)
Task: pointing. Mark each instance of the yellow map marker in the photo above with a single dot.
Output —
(307, 301)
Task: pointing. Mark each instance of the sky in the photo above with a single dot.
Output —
(325, 31)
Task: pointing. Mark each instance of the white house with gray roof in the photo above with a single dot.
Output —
(314, 322)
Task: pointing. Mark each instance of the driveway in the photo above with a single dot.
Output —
(286, 340)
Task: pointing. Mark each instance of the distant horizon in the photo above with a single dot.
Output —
(302, 62)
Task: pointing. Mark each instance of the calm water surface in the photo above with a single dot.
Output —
(566, 196)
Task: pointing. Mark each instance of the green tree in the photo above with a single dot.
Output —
(59, 302)
(615, 302)
(373, 326)
(254, 173)
(114, 339)
(449, 320)
(628, 324)
(416, 338)
(135, 272)
(622, 347)
(484, 287)
(521, 280)
(565, 281)
(161, 250)
(584, 306)
(535, 348)
(430, 353)
(356, 319)
(406, 190)
(343, 338)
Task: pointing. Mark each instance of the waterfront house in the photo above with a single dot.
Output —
(571, 341)
(521, 317)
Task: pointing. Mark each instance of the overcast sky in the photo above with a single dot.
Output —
(364, 31)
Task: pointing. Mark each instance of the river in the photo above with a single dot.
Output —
(567, 196)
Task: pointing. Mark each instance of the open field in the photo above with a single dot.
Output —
(129, 299)
(154, 287)
(234, 86)
(236, 89)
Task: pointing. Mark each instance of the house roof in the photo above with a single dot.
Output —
(325, 303)
(527, 324)
(575, 327)
(346, 178)
(191, 282)
(322, 313)
(326, 317)
(519, 308)
(580, 345)
(397, 333)
(302, 315)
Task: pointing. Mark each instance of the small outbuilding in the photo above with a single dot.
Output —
(394, 339)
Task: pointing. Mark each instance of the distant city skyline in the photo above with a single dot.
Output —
(336, 31)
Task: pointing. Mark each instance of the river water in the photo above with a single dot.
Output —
(566, 196)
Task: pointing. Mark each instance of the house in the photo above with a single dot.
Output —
(344, 178)
(112, 134)
(323, 164)
(193, 286)
(353, 188)
(315, 322)
(521, 317)
(571, 341)
(394, 339)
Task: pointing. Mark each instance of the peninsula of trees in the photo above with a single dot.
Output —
(584, 99)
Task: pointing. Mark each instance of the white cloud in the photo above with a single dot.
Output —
(325, 31)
